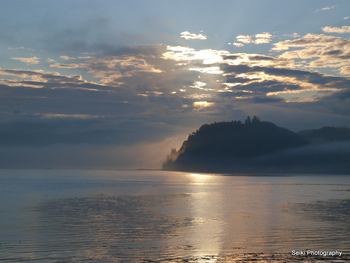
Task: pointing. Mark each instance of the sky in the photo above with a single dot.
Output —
(116, 84)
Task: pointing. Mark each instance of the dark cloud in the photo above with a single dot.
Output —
(306, 77)
(233, 79)
(260, 57)
(38, 131)
(318, 51)
(267, 100)
(264, 87)
(236, 69)
(337, 103)
(283, 72)
(231, 57)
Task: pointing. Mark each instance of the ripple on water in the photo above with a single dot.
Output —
(100, 227)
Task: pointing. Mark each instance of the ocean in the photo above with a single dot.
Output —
(161, 216)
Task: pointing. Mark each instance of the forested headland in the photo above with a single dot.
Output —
(256, 146)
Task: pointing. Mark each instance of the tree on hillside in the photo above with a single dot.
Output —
(255, 120)
(247, 121)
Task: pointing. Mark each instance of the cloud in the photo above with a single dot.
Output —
(74, 58)
(326, 8)
(262, 38)
(345, 70)
(28, 61)
(49, 108)
(245, 81)
(20, 48)
(125, 62)
(340, 30)
(67, 57)
(244, 39)
(42, 79)
(192, 36)
(237, 44)
(318, 50)
(190, 55)
(65, 65)
(308, 40)
(98, 93)
(97, 35)
(183, 75)
(294, 35)
(202, 104)
(144, 94)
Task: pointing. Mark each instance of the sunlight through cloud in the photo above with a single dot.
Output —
(202, 104)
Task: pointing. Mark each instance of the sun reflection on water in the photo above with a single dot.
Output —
(206, 235)
(200, 175)
(187, 217)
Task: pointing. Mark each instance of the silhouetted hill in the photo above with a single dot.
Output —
(326, 134)
(258, 146)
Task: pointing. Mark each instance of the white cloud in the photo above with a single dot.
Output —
(67, 57)
(50, 60)
(198, 85)
(262, 41)
(326, 8)
(209, 56)
(23, 48)
(263, 35)
(189, 36)
(28, 61)
(244, 39)
(236, 44)
(261, 38)
(340, 30)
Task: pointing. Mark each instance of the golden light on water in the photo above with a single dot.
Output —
(200, 175)
(210, 227)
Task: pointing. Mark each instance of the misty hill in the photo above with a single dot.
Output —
(326, 134)
(259, 146)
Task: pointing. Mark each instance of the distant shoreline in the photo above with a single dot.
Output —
(277, 174)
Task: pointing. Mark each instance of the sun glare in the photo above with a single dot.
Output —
(201, 175)
(200, 104)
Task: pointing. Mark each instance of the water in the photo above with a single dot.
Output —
(136, 215)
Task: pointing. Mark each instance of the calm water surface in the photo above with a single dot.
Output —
(130, 216)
